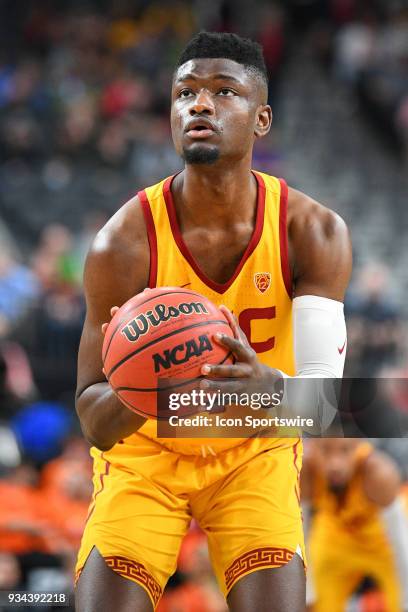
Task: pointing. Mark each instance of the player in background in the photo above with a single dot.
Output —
(355, 524)
(281, 262)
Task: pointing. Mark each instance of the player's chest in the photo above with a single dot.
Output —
(218, 253)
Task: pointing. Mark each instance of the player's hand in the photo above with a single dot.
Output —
(246, 366)
(113, 311)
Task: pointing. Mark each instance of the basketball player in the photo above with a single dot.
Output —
(281, 262)
(359, 527)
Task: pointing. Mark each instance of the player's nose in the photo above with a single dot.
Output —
(203, 103)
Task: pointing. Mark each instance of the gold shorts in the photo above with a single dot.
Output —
(246, 499)
(340, 560)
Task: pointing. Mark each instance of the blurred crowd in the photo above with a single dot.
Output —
(84, 84)
(88, 83)
(43, 505)
(45, 494)
(371, 56)
(84, 99)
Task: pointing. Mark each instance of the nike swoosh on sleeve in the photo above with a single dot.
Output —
(342, 348)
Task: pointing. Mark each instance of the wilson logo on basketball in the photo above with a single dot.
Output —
(139, 326)
(262, 281)
(181, 353)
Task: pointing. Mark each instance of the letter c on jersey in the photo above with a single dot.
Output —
(252, 314)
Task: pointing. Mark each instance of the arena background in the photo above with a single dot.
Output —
(84, 102)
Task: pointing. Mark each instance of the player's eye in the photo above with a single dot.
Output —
(185, 93)
(226, 91)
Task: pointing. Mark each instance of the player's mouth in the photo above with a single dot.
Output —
(200, 129)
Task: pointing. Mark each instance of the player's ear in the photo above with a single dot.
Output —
(263, 120)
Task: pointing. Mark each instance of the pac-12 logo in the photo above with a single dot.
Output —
(262, 281)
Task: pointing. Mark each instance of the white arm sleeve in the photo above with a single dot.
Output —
(396, 525)
(319, 336)
(320, 340)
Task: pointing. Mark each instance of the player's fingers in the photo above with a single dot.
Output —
(228, 315)
(241, 350)
(104, 327)
(223, 386)
(233, 323)
(238, 370)
(114, 310)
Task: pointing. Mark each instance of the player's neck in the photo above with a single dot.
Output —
(213, 194)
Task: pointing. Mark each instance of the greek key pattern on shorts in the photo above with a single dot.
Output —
(137, 572)
(258, 558)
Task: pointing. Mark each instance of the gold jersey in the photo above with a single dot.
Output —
(259, 291)
(348, 542)
(355, 516)
(147, 488)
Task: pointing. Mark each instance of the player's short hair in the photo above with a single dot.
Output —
(229, 46)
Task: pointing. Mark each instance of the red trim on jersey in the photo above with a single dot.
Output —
(295, 456)
(283, 238)
(102, 481)
(151, 235)
(252, 244)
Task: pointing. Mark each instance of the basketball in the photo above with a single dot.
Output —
(159, 340)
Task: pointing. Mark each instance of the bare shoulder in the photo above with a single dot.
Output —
(319, 247)
(306, 213)
(381, 478)
(123, 234)
(117, 264)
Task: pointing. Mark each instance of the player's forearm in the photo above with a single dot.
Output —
(104, 419)
(320, 347)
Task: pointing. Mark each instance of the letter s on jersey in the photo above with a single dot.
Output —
(251, 314)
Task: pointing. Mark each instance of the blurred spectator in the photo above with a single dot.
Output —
(9, 402)
(10, 573)
(272, 38)
(51, 330)
(34, 551)
(53, 261)
(52, 341)
(66, 486)
(10, 455)
(371, 55)
(22, 513)
(375, 337)
(16, 381)
(18, 288)
(354, 49)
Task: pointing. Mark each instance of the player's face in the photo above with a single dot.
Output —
(337, 459)
(218, 109)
